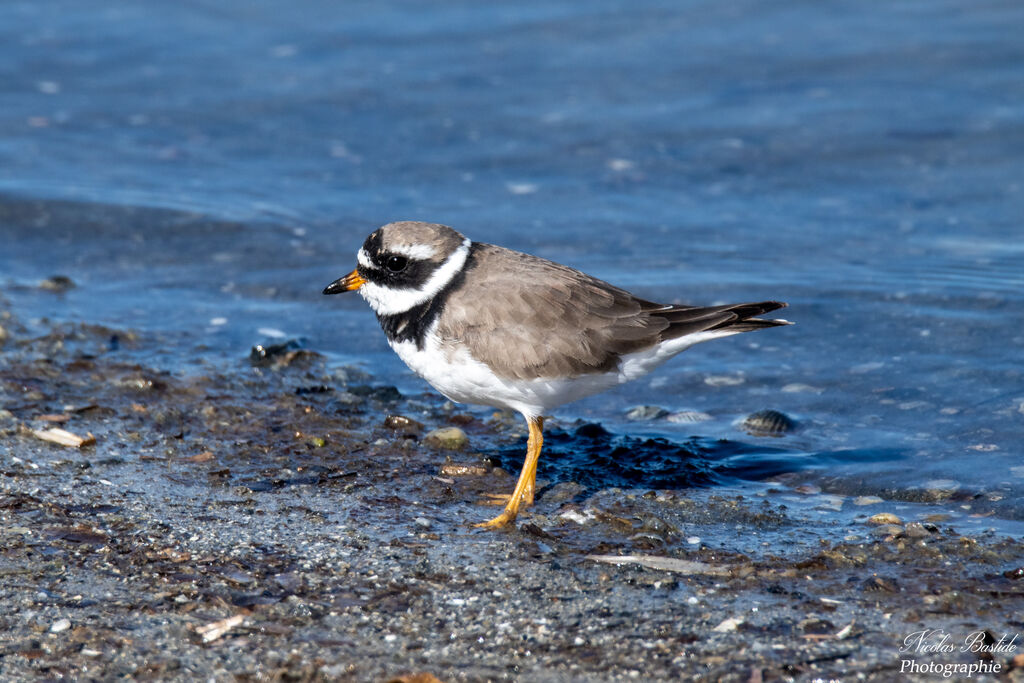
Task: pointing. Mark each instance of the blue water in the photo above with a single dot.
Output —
(204, 168)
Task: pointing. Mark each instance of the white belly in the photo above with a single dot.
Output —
(463, 379)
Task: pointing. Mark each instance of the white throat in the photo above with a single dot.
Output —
(388, 301)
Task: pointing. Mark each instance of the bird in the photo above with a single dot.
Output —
(491, 326)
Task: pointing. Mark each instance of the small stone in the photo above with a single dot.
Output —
(728, 625)
(918, 530)
(1014, 574)
(884, 518)
(401, 423)
(422, 522)
(641, 413)
(816, 626)
(867, 500)
(830, 502)
(448, 438)
(60, 626)
(887, 530)
(455, 469)
(882, 584)
(938, 490)
(4, 335)
(57, 283)
(768, 423)
(937, 518)
(284, 354)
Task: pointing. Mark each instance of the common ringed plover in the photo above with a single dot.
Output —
(496, 327)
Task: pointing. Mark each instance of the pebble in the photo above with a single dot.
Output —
(640, 413)
(937, 517)
(768, 423)
(816, 626)
(57, 283)
(867, 500)
(887, 530)
(283, 354)
(60, 626)
(402, 423)
(448, 438)
(728, 625)
(423, 522)
(940, 489)
(4, 335)
(830, 502)
(882, 584)
(577, 516)
(454, 469)
(918, 530)
(884, 518)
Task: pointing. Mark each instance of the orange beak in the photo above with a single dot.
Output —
(348, 283)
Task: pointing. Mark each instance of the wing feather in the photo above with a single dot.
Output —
(528, 318)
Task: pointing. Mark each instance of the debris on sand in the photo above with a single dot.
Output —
(670, 564)
(212, 631)
(64, 437)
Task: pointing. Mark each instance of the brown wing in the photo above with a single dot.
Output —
(527, 317)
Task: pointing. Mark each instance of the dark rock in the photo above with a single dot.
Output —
(768, 423)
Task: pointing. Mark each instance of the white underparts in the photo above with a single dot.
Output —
(451, 369)
(390, 301)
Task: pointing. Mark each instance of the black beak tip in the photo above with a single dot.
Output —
(334, 288)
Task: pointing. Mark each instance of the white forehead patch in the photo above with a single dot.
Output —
(417, 252)
(388, 301)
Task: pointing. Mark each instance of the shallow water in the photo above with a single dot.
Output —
(204, 169)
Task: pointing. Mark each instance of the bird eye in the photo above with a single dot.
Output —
(396, 264)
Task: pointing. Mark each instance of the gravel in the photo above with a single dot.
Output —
(250, 524)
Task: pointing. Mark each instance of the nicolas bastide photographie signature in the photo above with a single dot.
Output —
(920, 647)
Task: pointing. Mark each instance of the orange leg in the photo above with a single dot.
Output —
(524, 490)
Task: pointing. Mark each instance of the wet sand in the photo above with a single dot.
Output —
(277, 519)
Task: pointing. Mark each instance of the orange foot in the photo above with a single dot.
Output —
(499, 522)
(523, 493)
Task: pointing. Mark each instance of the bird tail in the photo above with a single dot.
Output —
(728, 319)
